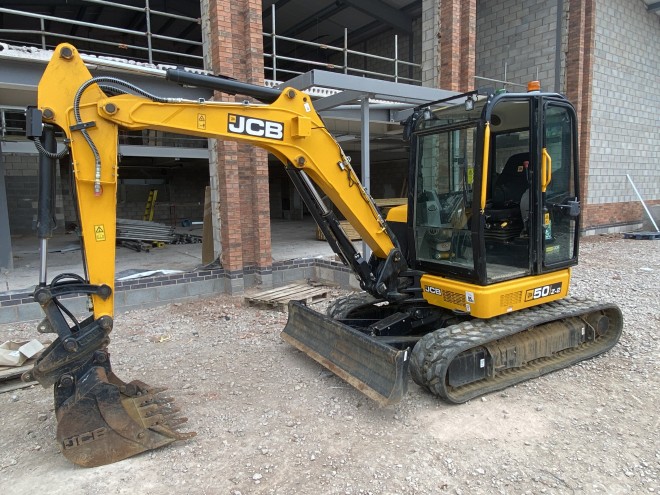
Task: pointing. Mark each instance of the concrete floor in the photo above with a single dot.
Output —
(290, 239)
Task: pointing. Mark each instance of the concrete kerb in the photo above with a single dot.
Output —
(154, 291)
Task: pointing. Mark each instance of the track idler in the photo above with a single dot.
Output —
(100, 418)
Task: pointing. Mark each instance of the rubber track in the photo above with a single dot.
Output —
(434, 352)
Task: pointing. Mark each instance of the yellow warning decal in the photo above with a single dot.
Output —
(470, 175)
(201, 121)
(99, 232)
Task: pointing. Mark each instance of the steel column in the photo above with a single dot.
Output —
(6, 257)
(365, 156)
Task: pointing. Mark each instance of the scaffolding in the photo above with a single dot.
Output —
(46, 39)
(279, 66)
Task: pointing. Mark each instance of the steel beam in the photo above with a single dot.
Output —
(383, 12)
(278, 5)
(354, 112)
(163, 151)
(321, 15)
(379, 89)
(341, 98)
(23, 75)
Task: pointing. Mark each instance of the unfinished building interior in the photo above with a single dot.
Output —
(341, 52)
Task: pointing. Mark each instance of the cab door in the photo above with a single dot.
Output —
(559, 202)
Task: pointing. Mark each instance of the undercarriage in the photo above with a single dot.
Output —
(371, 344)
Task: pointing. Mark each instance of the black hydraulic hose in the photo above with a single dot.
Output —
(50, 154)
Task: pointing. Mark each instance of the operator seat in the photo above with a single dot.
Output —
(512, 182)
(504, 218)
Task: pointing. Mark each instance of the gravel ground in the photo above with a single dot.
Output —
(270, 420)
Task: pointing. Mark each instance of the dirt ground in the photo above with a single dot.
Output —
(269, 420)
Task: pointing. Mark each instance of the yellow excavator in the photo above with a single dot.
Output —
(466, 289)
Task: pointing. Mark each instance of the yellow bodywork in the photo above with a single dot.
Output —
(496, 299)
(398, 214)
(297, 136)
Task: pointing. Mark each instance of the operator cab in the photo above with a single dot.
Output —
(496, 183)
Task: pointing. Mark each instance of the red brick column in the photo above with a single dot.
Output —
(236, 50)
(579, 77)
(458, 26)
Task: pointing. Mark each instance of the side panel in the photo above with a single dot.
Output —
(496, 299)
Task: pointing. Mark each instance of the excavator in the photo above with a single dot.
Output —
(466, 289)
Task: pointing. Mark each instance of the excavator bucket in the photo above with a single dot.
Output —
(375, 369)
(104, 420)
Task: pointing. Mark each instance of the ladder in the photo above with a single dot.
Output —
(149, 208)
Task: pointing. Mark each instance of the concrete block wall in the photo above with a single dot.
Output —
(520, 35)
(388, 179)
(430, 26)
(132, 200)
(22, 185)
(153, 291)
(180, 195)
(625, 108)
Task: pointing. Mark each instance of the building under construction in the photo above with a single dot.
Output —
(362, 59)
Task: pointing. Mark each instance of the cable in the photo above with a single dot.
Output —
(78, 118)
(49, 154)
(73, 276)
(67, 312)
(113, 91)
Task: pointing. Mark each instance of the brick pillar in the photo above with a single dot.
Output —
(458, 26)
(579, 76)
(235, 49)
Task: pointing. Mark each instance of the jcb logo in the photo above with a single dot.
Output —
(433, 290)
(83, 438)
(239, 124)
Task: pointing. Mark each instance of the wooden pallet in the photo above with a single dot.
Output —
(351, 233)
(385, 204)
(279, 297)
(10, 377)
(653, 236)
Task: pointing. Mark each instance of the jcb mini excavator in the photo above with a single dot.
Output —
(466, 289)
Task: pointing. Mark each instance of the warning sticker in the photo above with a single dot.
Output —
(201, 121)
(99, 232)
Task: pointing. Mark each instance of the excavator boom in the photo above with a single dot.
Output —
(102, 419)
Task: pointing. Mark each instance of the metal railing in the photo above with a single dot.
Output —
(45, 39)
(344, 66)
(154, 48)
(12, 122)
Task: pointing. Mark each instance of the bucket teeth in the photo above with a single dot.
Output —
(159, 412)
(174, 422)
(175, 434)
